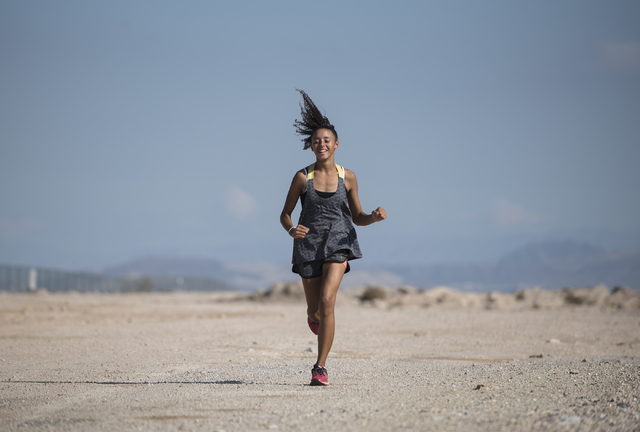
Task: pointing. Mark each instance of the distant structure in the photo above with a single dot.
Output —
(30, 279)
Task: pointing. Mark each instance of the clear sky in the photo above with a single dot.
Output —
(157, 128)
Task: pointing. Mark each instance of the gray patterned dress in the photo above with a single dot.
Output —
(329, 222)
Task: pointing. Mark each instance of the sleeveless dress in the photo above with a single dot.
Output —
(329, 221)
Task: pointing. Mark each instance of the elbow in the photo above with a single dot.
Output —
(359, 220)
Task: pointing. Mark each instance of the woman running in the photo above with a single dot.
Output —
(325, 239)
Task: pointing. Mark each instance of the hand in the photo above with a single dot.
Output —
(379, 214)
(299, 232)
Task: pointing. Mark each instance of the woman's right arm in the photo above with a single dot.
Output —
(295, 190)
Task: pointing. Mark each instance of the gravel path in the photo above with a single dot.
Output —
(182, 361)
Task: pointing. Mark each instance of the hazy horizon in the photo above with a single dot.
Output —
(133, 129)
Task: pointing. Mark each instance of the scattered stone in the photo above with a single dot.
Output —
(163, 376)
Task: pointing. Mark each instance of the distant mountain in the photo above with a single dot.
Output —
(155, 266)
(547, 265)
(461, 276)
(248, 276)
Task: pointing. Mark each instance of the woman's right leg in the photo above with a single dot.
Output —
(313, 294)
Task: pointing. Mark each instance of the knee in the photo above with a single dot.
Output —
(327, 305)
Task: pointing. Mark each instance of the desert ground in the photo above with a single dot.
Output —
(403, 359)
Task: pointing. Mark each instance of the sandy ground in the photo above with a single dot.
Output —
(224, 362)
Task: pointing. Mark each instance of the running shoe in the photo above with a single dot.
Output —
(319, 376)
(314, 326)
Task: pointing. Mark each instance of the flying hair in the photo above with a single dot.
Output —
(312, 120)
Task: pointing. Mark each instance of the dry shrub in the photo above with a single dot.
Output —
(571, 298)
(373, 293)
(292, 291)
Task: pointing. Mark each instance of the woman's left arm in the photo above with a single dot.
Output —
(359, 217)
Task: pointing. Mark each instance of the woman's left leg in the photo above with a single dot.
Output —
(332, 274)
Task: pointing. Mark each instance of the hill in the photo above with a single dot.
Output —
(546, 265)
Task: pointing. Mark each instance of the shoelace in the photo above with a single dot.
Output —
(317, 370)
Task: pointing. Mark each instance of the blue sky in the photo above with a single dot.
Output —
(131, 129)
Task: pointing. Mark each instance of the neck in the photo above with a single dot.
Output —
(327, 166)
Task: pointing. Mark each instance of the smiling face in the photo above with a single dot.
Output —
(323, 144)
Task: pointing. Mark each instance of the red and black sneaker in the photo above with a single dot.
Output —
(319, 376)
(314, 326)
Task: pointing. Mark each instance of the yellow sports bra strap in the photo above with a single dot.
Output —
(311, 168)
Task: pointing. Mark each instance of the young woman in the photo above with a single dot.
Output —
(324, 239)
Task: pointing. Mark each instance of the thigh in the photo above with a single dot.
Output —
(332, 273)
(312, 292)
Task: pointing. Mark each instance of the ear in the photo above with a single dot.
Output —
(337, 144)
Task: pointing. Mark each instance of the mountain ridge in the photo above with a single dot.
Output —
(547, 265)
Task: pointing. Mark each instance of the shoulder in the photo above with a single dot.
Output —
(299, 180)
(350, 180)
(300, 177)
(304, 171)
(349, 175)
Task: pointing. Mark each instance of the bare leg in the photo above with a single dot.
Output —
(312, 291)
(332, 274)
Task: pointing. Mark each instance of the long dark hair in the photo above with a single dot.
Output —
(312, 120)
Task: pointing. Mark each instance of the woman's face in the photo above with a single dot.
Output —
(323, 144)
